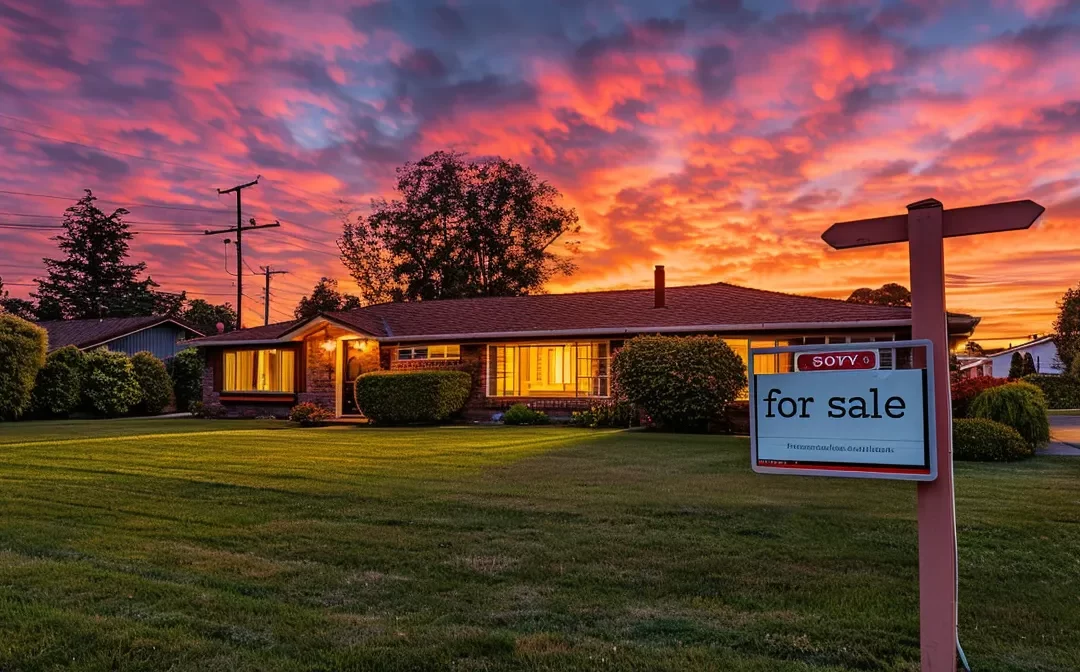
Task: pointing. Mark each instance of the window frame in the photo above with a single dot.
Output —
(427, 348)
(296, 369)
(601, 382)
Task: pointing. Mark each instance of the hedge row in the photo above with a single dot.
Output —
(982, 440)
(22, 354)
(1060, 391)
(412, 397)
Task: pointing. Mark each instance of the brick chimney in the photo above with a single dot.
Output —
(658, 287)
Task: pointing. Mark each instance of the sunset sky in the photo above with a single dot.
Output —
(716, 137)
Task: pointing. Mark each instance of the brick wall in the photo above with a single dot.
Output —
(321, 381)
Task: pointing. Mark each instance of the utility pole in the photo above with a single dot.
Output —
(240, 228)
(266, 296)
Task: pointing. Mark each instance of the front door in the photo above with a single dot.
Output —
(352, 370)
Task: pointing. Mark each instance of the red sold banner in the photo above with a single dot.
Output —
(855, 360)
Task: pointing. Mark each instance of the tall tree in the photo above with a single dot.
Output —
(1067, 327)
(460, 228)
(94, 280)
(17, 307)
(890, 294)
(205, 316)
(973, 349)
(1016, 366)
(324, 297)
(1028, 367)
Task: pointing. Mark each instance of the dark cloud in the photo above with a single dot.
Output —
(96, 85)
(31, 25)
(714, 69)
(894, 169)
(76, 160)
(648, 35)
(423, 64)
(448, 21)
(188, 17)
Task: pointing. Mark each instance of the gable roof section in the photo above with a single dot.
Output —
(89, 333)
(270, 333)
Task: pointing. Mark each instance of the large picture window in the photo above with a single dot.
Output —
(271, 370)
(548, 370)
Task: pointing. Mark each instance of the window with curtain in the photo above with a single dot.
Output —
(269, 370)
(548, 370)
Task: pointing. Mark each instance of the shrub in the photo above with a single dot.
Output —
(22, 354)
(110, 387)
(1060, 391)
(965, 390)
(307, 414)
(520, 414)
(208, 411)
(982, 440)
(58, 387)
(411, 397)
(155, 385)
(681, 383)
(607, 413)
(1021, 406)
(186, 371)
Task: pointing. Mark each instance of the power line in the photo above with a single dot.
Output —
(121, 203)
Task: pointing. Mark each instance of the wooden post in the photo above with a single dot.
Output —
(937, 522)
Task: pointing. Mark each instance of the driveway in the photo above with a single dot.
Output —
(1064, 435)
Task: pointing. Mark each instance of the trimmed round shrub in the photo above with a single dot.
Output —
(22, 354)
(982, 440)
(58, 388)
(965, 390)
(1060, 391)
(520, 414)
(110, 387)
(307, 414)
(412, 397)
(186, 370)
(155, 385)
(1021, 406)
(680, 383)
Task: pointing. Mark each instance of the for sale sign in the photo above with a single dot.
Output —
(840, 415)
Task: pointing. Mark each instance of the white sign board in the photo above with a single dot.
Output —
(866, 423)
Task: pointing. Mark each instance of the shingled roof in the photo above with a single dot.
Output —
(711, 307)
(88, 333)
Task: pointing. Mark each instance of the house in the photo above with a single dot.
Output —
(159, 335)
(1043, 351)
(974, 367)
(551, 351)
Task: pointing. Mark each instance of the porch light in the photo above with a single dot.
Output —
(359, 345)
(329, 346)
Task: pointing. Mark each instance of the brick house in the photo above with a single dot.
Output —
(551, 351)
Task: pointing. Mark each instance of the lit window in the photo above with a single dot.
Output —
(443, 352)
(548, 370)
(259, 371)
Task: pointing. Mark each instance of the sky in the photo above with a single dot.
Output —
(719, 138)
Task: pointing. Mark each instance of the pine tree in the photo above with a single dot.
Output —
(1016, 366)
(94, 280)
(1029, 365)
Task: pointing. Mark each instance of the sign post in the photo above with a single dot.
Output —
(924, 227)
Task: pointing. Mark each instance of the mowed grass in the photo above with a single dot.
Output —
(192, 545)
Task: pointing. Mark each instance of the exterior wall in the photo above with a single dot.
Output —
(1045, 356)
(161, 341)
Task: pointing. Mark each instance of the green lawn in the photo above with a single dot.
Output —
(193, 545)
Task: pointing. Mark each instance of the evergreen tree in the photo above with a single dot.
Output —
(1016, 366)
(1028, 366)
(1067, 328)
(94, 280)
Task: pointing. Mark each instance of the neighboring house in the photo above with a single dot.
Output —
(974, 367)
(1043, 351)
(161, 336)
(552, 351)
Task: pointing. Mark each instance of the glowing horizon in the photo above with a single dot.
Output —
(719, 138)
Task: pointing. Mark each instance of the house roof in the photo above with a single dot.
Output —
(1022, 346)
(88, 333)
(711, 307)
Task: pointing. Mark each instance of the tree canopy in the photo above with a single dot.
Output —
(1067, 327)
(460, 228)
(324, 297)
(889, 294)
(93, 279)
(205, 316)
